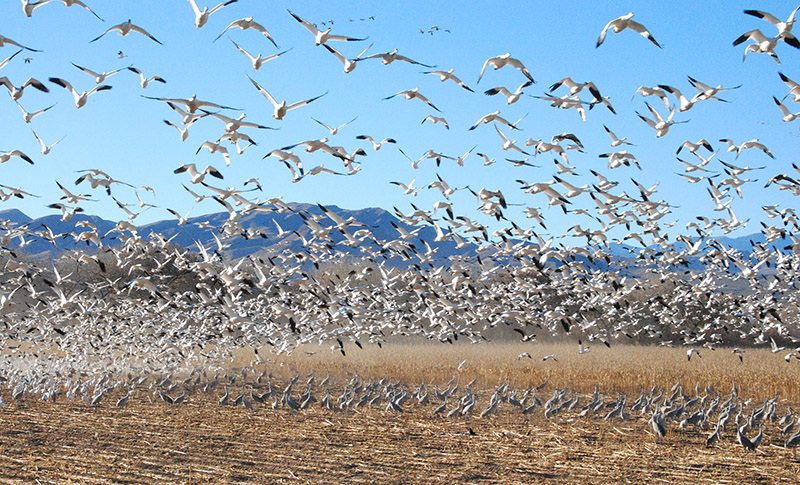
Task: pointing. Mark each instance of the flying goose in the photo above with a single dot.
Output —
(321, 37)
(80, 99)
(389, 57)
(625, 22)
(145, 81)
(124, 29)
(511, 97)
(335, 130)
(349, 64)
(448, 75)
(282, 108)
(411, 94)
(787, 115)
(248, 23)
(16, 92)
(258, 61)
(504, 60)
(100, 77)
(201, 16)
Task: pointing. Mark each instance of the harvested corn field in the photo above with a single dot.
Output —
(201, 441)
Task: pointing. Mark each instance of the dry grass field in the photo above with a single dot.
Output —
(200, 442)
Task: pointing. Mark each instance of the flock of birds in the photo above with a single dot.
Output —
(144, 305)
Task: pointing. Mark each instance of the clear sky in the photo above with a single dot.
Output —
(122, 133)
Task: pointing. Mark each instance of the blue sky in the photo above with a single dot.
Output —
(122, 133)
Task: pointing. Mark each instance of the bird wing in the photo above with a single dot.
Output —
(305, 102)
(223, 4)
(754, 34)
(603, 33)
(260, 28)
(194, 7)
(637, 27)
(783, 108)
(41, 142)
(399, 57)
(764, 16)
(136, 28)
(498, 90)
(64, 84)
(87, 71)
(249, 56)
(104, 33)
(305, 24)
(336, 53)
(647, 120)
(483, 69)
(8, 59)
(344, 38)
(264, 92)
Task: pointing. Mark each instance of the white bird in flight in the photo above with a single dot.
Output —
(99, 77)
(505, 60)
(80, 98)
(145, 81)
(126, 28)
(248, 23)
(16, 92)
(28, 117)
(282, 108)
(258, 61)
(787, 115)
(45, 148)
(201, 16)
(28, 6)
(448, 75)
(625, 22)
(511, 97)
(335, 130)
(321, 37)
(414, 93)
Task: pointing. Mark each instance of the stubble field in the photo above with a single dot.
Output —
(200, 441)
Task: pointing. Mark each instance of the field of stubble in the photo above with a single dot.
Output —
(200, 442)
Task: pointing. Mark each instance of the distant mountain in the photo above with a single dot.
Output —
(262, 228)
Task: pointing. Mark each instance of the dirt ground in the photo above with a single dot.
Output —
(201, 442)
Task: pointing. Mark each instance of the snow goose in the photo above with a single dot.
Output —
(321, 37)
(504, 60)
(248, 23)
(258, 61)
(99, 77)
(28, 117)
(389, 57)
(625, 22)
(512, 97)
(126, 28)
(16, 92)
(80, 98)
(45, 148)
(349, 64)
(282, 108)
(414, 93)
(335, 130)
(196, 176)
(448, 75)
(201, 16)
(787, 115)
(145, 81)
